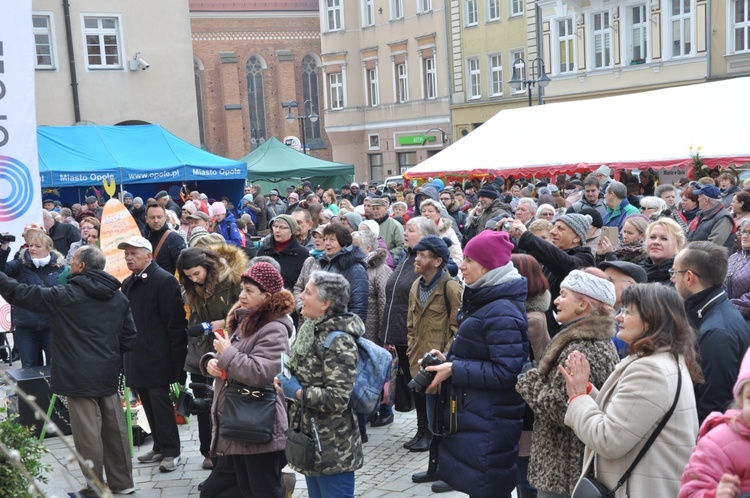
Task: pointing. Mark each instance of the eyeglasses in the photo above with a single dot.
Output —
(626, 312)
(281, 227)
(645, 208)
(672, 272)
(745, 232)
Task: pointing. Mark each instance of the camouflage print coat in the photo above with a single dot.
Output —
(327, 377)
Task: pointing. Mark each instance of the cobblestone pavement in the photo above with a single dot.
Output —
(386, 473)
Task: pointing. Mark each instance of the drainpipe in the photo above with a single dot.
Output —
(709, 36)
(539, 47)
(72, 62)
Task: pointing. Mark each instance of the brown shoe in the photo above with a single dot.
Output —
(288, 481)
(207, 464)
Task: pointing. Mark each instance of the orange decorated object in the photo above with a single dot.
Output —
(117, 226)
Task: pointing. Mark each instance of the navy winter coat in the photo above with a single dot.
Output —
(350, 263)
(24, 271)
(488, 353)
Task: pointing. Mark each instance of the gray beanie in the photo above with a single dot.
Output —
(590, 285)
(137, 200)
(288, 220)
(579, 223)
(354, 220)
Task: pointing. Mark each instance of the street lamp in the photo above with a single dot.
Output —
(313, 117)
(522, 79)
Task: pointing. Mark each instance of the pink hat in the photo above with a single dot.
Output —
(189, 207)
(743, 378)
(490, 249)
(294, 196)
(218, 208)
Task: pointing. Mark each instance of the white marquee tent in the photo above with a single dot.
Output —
(652, 129)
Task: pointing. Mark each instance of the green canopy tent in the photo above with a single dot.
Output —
(275, 165)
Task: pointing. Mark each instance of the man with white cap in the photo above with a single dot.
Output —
(158, 355)
(602, 174)
(355, 196)
(566, 252)
(391, 230)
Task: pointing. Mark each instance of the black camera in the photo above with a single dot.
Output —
(187, 404)
(6, 238)
(423, 379)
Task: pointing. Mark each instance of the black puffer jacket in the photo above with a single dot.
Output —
(92, 328)
(397, 292)
(291, 259)
(350, 263)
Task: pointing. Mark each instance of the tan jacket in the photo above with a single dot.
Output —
(431, 326)
(616, 422)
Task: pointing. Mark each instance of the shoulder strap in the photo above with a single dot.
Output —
(654, 435)
(447, 301)
(161, 243)
(332, 335)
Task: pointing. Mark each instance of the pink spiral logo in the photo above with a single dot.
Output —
(16, 189)
(5, 317)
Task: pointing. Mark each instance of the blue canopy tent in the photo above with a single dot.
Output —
(142, 159)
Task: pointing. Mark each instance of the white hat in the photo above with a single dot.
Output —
(590, 285)
(136, 241)
(603, 170)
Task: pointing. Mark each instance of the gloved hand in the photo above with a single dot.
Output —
(290, 386)
(199, 329)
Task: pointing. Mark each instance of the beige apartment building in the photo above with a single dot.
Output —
(386, 79)
(131, 62)
(590, 48)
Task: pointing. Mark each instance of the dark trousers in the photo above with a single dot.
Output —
(161, 418)
(222, 483)
(204, 419)
(259, 476)
(30, 343)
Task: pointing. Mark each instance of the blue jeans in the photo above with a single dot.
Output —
(333, 486)
(431, 400)
(29, 341)
(522, 470)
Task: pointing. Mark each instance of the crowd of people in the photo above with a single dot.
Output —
(547, 333)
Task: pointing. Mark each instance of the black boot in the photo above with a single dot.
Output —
(421, 428)
(423, 444)
(429, 474)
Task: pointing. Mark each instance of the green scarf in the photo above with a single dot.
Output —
(304, 341)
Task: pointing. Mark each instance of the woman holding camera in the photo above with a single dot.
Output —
(584, 308)
(482, 366)
(211, 283)
(320, 380)
(39, 264)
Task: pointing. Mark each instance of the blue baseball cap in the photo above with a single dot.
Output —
(709, 191)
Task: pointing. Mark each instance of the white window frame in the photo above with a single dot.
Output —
(683, 19)
(637, 32)
(402, 82)
(368, 13)
(601, 39)
(424, 6)
(569, 38)
(471, 9)
(474, 74)
(492, 10)
(495, 70)
(49, 32)
(336, 90)
(430, 78)
(373, 86)
(516, 54)
(102, 32)
(515, 8)
(397, 9)
(741, 25)
(334, 12)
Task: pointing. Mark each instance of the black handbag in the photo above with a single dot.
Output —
(404, 398)
(249, 413)
(589, 487)
(301, 447)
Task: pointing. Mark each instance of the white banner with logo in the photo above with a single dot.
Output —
(20, 191)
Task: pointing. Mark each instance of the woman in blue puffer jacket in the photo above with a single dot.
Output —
(39, 264)
(348, 260)
(481, 370)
